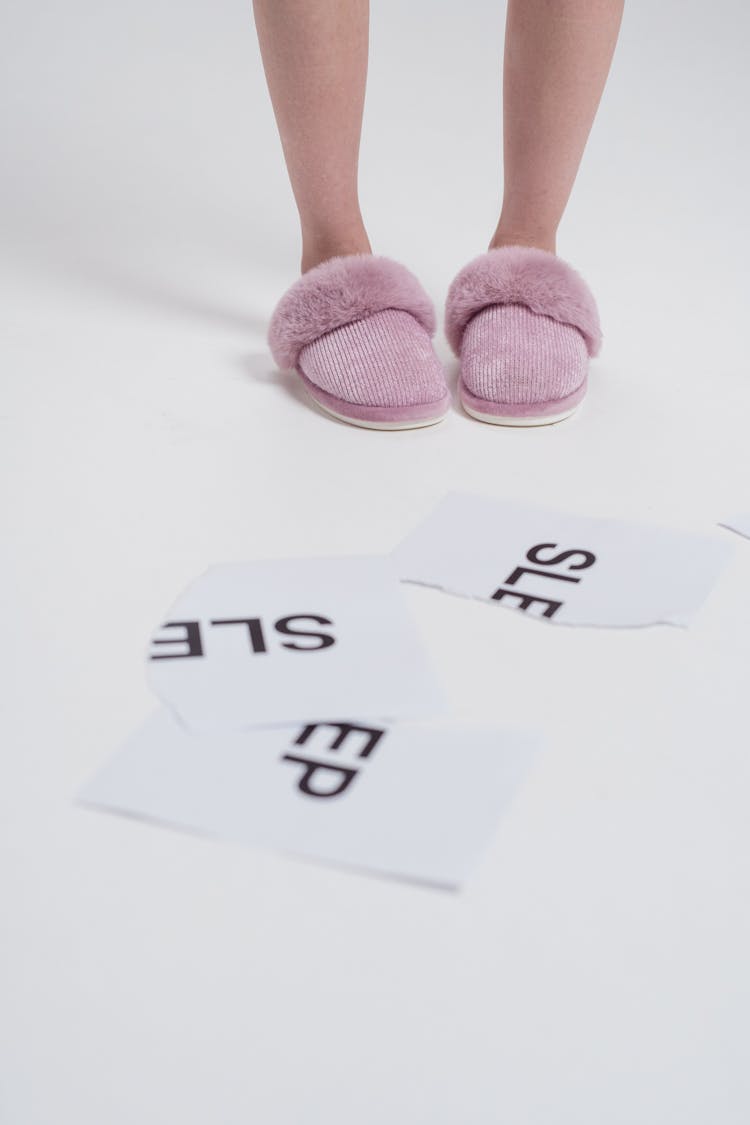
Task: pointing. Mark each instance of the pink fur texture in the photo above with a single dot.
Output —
(338, 291)
(521, 275)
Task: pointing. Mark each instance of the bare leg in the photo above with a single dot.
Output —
(557, 58)
(315, 55)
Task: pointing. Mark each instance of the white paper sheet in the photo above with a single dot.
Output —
(562, 568)
(279, 641)
(739, 523)
(417, 801)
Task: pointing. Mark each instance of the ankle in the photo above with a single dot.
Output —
(509, 238)
(315, 253)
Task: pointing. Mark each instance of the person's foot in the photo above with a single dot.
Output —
(520, 367)
(358, 329)
(523, 323)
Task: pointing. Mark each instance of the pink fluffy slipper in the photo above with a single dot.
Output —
(523, 324)
(357, 330)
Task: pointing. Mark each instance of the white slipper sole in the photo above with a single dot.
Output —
(411, 425)
(513, 420)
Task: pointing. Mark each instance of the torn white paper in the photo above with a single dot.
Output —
(280, 641)
(739, 523)
(562, 568)
(416, 801)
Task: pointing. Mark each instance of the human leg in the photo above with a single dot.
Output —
(315, 55)
(557, 57)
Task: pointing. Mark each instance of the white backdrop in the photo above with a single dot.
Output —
(595, 969)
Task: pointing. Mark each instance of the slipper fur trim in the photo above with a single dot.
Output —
(522, 275)
(338, 291)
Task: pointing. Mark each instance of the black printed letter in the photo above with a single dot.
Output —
(533, 556)
(192, 639)
(344, 729)
(521, 570)
(347, 776)
(282, 626)
(526, 600)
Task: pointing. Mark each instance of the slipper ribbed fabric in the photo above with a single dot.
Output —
(512, 355)
(524, 324)
(357, 329)
(386, 359)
